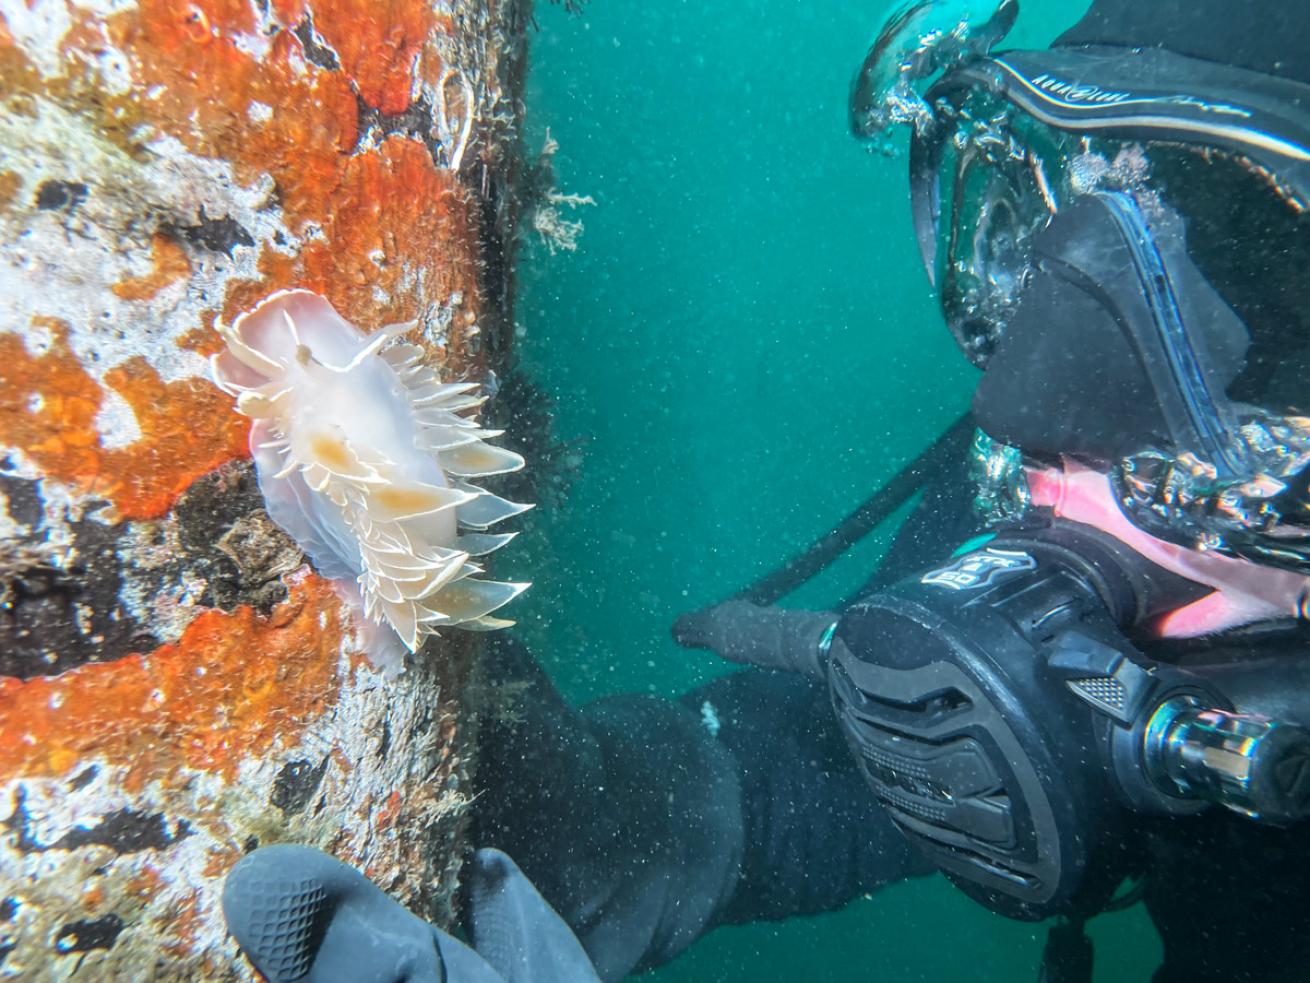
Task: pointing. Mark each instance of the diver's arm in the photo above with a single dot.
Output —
(645, 822)
(768, 637)
(814, 837)
(738, 803)
(626, 815)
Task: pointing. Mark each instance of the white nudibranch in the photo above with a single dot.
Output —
(362, 456)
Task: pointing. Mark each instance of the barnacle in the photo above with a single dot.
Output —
(363, 458)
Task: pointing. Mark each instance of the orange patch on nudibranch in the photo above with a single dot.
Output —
(221, 695)
(407, 501)
(48, 408)
(332, 453)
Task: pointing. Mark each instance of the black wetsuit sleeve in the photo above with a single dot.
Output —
(625, 815)
(644, 822)
(814, 836)
(766, 637)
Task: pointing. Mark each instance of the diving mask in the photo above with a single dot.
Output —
(1118, 239)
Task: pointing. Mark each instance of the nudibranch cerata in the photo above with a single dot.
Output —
(362, 456)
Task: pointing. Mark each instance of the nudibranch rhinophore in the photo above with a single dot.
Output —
(362, 456)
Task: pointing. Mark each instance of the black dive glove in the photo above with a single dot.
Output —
(300, 914)
(768, 637)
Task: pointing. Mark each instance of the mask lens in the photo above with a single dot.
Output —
(997, 198)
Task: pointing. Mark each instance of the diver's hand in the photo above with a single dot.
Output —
(769, 637)
(300, 914)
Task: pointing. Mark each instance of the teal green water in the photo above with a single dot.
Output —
(748, 345)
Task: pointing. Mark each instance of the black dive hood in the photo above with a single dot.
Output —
(1268, 37)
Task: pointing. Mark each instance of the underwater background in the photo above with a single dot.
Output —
(742, 349)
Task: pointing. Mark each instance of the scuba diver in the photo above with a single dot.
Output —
(1080, 678)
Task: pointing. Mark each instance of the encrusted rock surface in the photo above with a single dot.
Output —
(176, 685)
